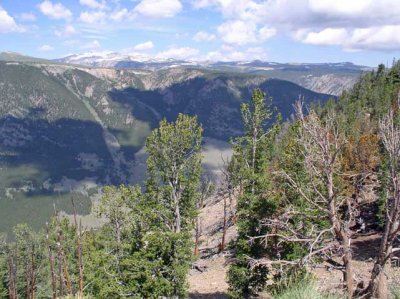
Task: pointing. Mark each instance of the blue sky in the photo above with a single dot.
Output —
(361, 31)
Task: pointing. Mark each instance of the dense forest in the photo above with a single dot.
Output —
(305, 189)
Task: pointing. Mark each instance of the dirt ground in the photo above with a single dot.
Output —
(207, 278)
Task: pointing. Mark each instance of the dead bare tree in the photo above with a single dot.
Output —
(78, 230)
(59, 263)
(321, 144)
(390, 135)
(206, 188)
(12, 274)
(62, 259)
(227, 192)
(31, 273)
(51, 263)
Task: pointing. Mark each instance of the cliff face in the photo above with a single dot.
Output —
(329, 83)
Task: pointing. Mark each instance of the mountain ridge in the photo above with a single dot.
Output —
(68, 130)
(329, 78)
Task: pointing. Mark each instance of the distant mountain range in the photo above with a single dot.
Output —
(329, 78)
(68, 129)
(118, 60)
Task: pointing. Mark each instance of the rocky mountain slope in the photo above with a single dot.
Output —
(67, 129)
(331, 78)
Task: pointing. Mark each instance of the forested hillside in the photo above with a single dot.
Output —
(307, 191)
(311, 189)
(72, 129)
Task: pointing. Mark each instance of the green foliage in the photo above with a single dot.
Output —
(291, 279)
(141, 248)
(305, 290)
(266, 197)
(359, 111)
(251, 162)
(137, 256)
(174, 170)
(395, 291)
(160, 268)
(3, 267)
(144, 248)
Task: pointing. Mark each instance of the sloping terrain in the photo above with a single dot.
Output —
(331, 78)
(74, 129)
(207, 279)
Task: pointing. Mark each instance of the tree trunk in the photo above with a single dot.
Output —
(177, 217)
(80, 264)
(381, 291)
(32, 282)
(197, 236)
(78, 231)
(65, 267)
(342, 236)
(348, 274)
(378, 282)
(51, 263)
(222, 248)
(62, 252)
(176, 200)
(60, 269)
(12, 288)
(253, 159)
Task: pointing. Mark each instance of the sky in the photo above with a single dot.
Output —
(364, 32)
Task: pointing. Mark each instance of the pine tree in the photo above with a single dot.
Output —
(3, 267)
(174, 170)
(252, 155)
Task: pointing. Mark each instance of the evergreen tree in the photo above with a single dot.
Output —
(252, 156)
(174, 170)
(145, 246)
(3, 267)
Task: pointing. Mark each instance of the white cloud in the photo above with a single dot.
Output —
(55, 11)
(232, 9)
(384, 38)
(241, 32)
(144, 46)
(231, 54)
(120, 15)
(67, 31)
(340, 7)
(92, 45)
(184, 53)
(91, 17)
(316, 22)
(225, 53)
(203, 36)
(237, 32)
(28, 17)
(159, 8)
(358, 10)
(94, 4)
(46, 48)
(266, 33)
(327, 37)
(7, 23)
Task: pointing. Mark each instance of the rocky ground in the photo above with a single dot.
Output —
(207, 277)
